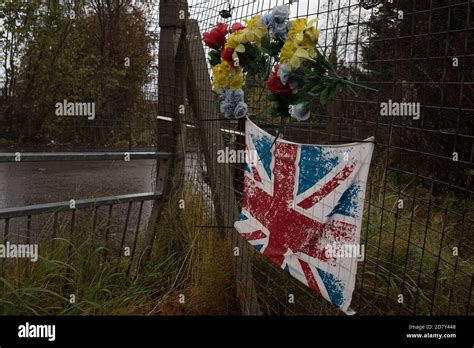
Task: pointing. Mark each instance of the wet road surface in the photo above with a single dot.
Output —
(32, 183)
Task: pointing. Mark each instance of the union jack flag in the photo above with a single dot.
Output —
(298, 200)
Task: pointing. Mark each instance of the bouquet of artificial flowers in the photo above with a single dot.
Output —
(301, 73)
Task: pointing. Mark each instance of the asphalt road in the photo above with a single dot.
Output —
(30, 183)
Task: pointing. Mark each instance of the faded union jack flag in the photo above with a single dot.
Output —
(299, 202)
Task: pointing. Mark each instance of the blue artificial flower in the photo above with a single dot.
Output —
(280, 31)
(284, 73)
(295, 83)
(232, 104)
(281, 14)
(295, 86)
(234, 96)
(278, 22)
(241, 110)
(301, 111)
(267, 20)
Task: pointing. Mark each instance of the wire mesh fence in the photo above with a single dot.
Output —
(418, 220)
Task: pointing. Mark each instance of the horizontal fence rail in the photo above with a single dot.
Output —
(78, 204)
(81, 156)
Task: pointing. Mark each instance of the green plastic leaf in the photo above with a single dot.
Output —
(214, 57)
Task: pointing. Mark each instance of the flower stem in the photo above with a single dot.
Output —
(351, 83)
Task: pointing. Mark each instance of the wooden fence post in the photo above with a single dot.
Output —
(220, 175)
(171, 89)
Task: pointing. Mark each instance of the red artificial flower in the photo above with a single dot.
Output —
(216, 37)
(236, 27)
(275, 86)
(226, 55)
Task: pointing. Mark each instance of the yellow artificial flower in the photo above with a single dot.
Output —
(287, 52)
(226, 75)
(235, 39)
(253, 33)
(301, 42)
(255, 30)
(308, 35)
(237, 78)
(301, 27)
(239, 49)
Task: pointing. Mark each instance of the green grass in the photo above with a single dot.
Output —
(100, 287)
(182, 262)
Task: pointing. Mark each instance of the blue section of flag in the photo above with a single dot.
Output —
(314, 165)
(259, 247)
(263, 145)
(243, 217)
(348, 204)
(333, 287)
(247, 168)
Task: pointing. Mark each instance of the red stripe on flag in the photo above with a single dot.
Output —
(254, 235)
(256, 176)
(328, 187)
(309, 276)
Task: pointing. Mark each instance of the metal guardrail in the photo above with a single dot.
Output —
(38, 209)
(80, 156)
(46, 208)
(7, 215)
